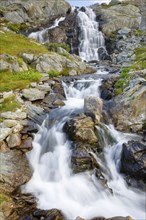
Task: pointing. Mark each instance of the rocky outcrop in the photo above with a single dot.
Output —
(128, 112)
(62, 63)
(117, 17)
(33, 12)
(133, 161)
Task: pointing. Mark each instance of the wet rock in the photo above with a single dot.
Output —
(52, 98)
(113, 218)
(82, 160)
(33, 94)
(81, 128)
(53, 214)
(26, 144)
(14, 140)
(14, 170)
(58, 103)
(93, 107)
(18, 115)
(133, 160)
(36, 113)
(4, 132)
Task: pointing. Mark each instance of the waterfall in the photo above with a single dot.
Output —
(55, 185)
(42, 36)
(90, 38)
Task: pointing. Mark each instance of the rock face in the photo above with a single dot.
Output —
(118, 16)
(34, 12)
(128, 112)
(133, 160)
(14, 170)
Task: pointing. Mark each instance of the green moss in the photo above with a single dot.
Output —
(54, 46)
(64, 72)
(144, 126)
(11, 81)
(15, 44)
(66, 55)
(9, 104)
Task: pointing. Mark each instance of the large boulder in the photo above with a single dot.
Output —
(15, 170)
(34, 12)
(33, 94)
(129, 109)
(133, 160)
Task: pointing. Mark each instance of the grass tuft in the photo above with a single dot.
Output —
(9, 104)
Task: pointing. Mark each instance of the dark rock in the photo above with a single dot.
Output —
(26, 144)
(53, 214)
(133, 160)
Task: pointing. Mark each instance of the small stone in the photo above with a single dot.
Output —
(44, 87)
(58, 103)
(3, 146)
(4, 132)
(28, 58)
(33, 84)
(19, 100)
(73, 73)
(14, 140)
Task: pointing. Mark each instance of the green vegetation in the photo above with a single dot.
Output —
(54, 46)
(15, 44)
(123, 81)
(10, 81)
(66, 55)
(139, 64)
(144, 126)
(9, 104)
(17, 27)
(64, 72)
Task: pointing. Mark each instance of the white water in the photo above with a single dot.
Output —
(90, 37)
(42, 36)
(54, 184)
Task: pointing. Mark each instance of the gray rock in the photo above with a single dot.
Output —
(9, 123)
(14, 170)
(44, 87)
(33, 94)
(93, 107)
(4, 65)
(8, 94)
(14, 140)
(18, 115)
(4, 132)
(36, 113)
(124, 31)
(28, 58)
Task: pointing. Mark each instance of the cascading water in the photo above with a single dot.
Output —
(42, 36)
(90, 38)
(56, 186)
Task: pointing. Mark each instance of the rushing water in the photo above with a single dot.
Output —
(42, 36)
(56, 186)
(90, 38)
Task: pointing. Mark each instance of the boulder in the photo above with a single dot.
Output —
(15, 170)
(33, 94)
(9, 123)
(14, 140)
(128, 111)
(81, 129)
(36, 114)
(93, 107)
(133, 160)
(18, 115)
